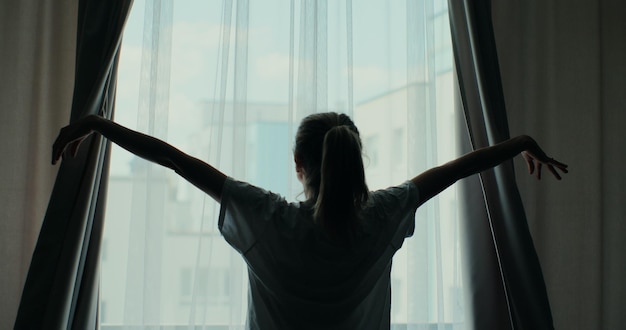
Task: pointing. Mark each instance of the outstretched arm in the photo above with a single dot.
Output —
(433, 181)
(199, 173)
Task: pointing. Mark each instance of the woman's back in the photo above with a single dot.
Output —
(299, 277)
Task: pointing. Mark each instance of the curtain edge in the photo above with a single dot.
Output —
(485, 115)
(53, 282)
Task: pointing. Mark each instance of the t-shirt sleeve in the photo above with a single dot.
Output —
(245, 212)
(397, 206)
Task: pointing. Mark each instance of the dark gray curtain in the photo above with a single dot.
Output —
(507, 290)
(61, 289)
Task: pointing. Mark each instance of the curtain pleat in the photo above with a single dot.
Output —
(61, 286)
(516, 270)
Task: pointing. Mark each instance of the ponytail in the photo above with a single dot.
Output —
(328, 151)
(342, 190)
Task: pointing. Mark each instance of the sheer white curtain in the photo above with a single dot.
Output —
(228, 81)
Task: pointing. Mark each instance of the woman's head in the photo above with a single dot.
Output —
(330, 165)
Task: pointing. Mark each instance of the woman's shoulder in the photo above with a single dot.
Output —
(406, 189)
(251, 197)
(393, 200)
(249, 190)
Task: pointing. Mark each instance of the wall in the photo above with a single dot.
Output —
(564, 75)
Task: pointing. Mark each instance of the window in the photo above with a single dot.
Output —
(165, 262)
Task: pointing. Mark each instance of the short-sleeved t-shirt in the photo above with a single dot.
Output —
(298, 278)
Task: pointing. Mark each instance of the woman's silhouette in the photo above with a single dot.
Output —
(324, 263)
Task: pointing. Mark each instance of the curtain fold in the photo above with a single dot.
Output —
(61, 287)
(516, 268)
(37, 63)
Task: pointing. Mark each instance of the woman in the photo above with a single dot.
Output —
(324, 263)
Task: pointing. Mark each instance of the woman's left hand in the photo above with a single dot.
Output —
(535, 161)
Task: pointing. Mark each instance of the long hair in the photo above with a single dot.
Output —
(328, 147)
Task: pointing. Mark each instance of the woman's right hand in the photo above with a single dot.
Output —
(536, 158)
(71, 136)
